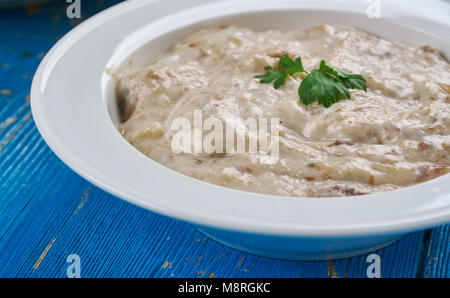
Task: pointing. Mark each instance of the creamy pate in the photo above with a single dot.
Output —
(394, 135)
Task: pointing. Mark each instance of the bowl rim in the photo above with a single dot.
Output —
(341, 216)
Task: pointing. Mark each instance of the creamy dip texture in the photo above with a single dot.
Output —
(394, 135)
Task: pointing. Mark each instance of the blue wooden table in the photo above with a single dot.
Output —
(47, 212)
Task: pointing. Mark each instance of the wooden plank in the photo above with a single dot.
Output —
(437, 263)
(116, 239)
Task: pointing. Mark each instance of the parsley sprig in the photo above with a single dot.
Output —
(326, 85)
(286, 67)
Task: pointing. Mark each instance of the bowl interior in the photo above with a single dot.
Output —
(142, 46)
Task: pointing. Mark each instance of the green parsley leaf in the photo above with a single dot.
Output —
(355, 81)
(272, 75)
(350, 81)
(326, 85)
(287, 67)
(321, 88)
(290, 65)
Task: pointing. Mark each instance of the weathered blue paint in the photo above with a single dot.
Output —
(47, 212)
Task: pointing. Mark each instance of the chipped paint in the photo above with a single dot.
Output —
(5, 143)
(200, 274)
(5, 92)
(44, 253)
(83, 201)
(80, 205)
(8, 122)
(331, 272)
(166, 264)
(13, 133)
(240, 262)
(198, 259)
(211, 275)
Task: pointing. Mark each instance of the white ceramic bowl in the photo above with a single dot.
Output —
(74, 107)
